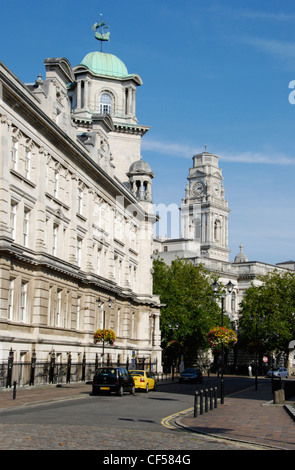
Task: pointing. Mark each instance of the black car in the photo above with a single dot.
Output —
(191, 376)
(112, 379)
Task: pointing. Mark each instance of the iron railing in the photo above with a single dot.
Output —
(53, 372)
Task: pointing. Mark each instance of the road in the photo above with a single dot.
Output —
(106, 422)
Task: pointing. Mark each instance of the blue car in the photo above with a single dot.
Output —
(191, 376)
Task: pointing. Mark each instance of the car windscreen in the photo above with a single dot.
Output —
(135, 372)
(106, 372)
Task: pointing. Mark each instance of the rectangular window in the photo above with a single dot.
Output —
(78, 313)
(13, 219)
(98, 264)
(67, 309)
(27, 164)
(119, 322)
(120, 272)
(54, 239)
(135, 278)
(55, 187)
(10, 299)
(97, 215)
(14, 155)
(26, 226)
(49, 317)
(80, 201)
(58, 308)
(79, 251)
(23, 302)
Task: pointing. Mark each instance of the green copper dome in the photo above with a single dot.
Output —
(101, 63)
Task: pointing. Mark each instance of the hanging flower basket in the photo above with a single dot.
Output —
(107, 336)
(220, 335)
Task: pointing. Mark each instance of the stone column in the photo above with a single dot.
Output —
(79, 94)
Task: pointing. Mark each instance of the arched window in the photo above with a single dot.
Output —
(105, 104)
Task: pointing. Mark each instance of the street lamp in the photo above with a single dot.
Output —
(100, 303)
(257, 320)
(229, 289)
(173, 353)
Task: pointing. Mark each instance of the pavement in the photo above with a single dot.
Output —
(248, 416)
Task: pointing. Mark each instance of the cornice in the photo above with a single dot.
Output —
(131, 129)
(49, 263)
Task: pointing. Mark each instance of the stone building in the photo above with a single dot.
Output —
(77, 216)
(204, 213)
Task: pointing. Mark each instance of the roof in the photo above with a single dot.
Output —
(140, 166)
(241, 257)
(101, 63)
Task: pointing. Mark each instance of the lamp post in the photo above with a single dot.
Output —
(100, 303)
(173, 358)
(229, 289)
(257, 320)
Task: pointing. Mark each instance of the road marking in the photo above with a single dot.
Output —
(166, 421)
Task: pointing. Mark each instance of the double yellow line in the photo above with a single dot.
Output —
(166, 421)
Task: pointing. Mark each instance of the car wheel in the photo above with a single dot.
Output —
(120, 391)
(147, 388)
(155, 386)
(132, 392)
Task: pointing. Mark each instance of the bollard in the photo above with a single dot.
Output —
(211, 400)
(215, 397)
(14, 390)
(196, 404)
(206, 400)
(201, 402)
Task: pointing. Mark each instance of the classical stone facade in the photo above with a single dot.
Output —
(76, 215)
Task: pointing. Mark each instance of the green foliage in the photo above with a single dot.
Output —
(267, 320)
(186, 291)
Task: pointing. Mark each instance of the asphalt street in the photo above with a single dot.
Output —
(69, 418)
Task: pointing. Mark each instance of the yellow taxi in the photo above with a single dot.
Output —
(143, 380)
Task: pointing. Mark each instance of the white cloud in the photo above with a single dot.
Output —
(263, 15)
(186, 151)
(242, 13)
(257, 157)
(169, 148)
(283, 50)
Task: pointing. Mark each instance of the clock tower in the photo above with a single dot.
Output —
(204, 210)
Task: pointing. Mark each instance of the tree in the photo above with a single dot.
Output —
(185, 290)
(267, 316)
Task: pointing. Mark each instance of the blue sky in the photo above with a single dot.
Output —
(214, 73)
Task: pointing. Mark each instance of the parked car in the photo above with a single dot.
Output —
(191, 376)
(112, 379)
(143, 379)
(278, 372)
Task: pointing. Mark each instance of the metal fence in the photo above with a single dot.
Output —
(53, 372)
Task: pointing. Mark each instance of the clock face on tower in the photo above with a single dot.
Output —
(198, 189)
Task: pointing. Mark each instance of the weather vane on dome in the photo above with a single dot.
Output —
(103, 34)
